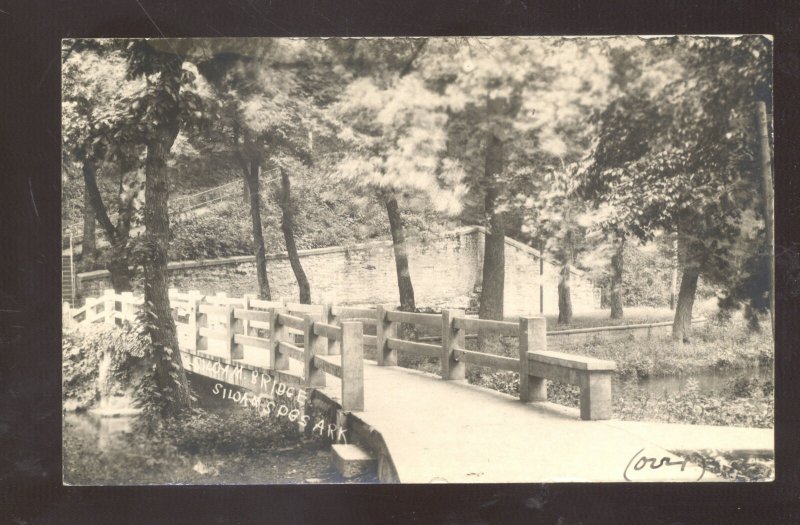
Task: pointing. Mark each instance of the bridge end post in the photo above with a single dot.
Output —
(277, 333)
(595, 398)
(386, 329)
(532, 337)
(452, 338)
(352, 365)
(312, 345)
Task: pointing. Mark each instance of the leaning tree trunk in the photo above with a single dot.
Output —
(682, 325)
(407, 302)
(287, 225)
(252, 176)
(119, 260)
(170, 377)
(616, 279)
(88, 244)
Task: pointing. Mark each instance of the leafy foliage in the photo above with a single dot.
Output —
(673, 137)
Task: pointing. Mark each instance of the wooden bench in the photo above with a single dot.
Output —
(593, 376)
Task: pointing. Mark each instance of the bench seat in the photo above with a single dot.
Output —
(592, 375)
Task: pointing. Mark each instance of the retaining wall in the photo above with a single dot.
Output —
(445, 271)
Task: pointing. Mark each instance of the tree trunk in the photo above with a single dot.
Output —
(765, 155)
(287, 225)
(616, 279)
(564, 295)
(119, 260)
(494, 259)
(252, 177)
(682, 325)
(120, 271)
(88, 244)
(407, 302)
(673, 290)
(170, 377)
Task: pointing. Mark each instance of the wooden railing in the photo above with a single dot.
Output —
(329, 339)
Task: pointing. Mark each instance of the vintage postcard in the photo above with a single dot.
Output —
(417, 260)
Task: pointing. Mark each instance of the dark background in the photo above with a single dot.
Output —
(30, 402)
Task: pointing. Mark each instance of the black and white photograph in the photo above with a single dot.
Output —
(450, 259)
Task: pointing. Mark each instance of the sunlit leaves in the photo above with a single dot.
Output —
(397, 139)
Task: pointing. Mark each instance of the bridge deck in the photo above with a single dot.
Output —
(450, 431)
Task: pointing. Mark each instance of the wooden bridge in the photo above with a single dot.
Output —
(419, 427)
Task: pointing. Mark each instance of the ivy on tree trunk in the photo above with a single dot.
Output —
(170, 377)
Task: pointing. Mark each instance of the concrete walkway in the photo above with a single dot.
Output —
(450, 431)
(454, 432)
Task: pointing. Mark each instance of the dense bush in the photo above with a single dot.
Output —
(714, 346)
(80, 365)
(240, 431)
(322, 219)
(222, 232)
(82, 351)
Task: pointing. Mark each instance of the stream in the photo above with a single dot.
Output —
(706, 381)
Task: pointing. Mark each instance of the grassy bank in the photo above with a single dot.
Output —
(713, 347)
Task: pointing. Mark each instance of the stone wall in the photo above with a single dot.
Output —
(445, 271)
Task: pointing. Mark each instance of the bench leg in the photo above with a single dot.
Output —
(534, 390)
(595, 395)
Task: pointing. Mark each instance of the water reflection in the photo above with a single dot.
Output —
(706, 381)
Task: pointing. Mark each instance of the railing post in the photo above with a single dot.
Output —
(277, 333)
(352, 365)
(532, 337)
(191, 340)
(127, 307)
(452, 338)
(235, 350)
(201, 321)
(334, 346)
(246, 322)
(312, 345)
(108, 307)
(385, 355)
(220, 295)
